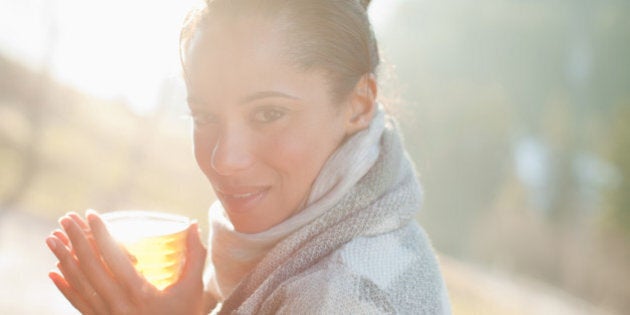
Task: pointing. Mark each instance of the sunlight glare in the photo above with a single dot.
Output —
(117, 50)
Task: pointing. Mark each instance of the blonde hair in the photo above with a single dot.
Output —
(334, 36)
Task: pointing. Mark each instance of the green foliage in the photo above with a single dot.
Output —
(619, 211)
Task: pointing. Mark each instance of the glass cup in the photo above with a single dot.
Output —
(157, 242)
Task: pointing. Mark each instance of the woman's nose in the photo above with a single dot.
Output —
(231, 154)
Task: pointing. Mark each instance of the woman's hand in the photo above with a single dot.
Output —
(97, 275)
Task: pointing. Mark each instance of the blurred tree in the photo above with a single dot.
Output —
(619, 211)
(480, 81)
(457, 120)
(550, 71)
(34, 107)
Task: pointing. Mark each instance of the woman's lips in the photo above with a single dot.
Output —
(241, 200)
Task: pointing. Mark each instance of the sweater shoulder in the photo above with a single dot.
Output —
(328, 287)
(389, 273)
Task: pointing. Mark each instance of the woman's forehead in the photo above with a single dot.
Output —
(232, 81)
(240, 42)
(228, 60)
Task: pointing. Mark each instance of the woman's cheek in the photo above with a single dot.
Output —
(202, 147)
(286, 147)
(297, 155)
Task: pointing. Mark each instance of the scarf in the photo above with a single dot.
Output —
(234, 254)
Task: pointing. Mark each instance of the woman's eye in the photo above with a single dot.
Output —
(268, 115)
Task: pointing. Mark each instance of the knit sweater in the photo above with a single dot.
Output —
(364, 255)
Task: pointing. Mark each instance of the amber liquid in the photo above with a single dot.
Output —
(157, 243)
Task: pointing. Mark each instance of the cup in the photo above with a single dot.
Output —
(157, 242)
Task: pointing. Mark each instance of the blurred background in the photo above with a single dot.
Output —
(516, 114)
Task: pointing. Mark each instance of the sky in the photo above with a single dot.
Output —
(115, 49)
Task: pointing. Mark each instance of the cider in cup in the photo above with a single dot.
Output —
(157, 241)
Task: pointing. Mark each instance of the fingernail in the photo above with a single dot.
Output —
(91, 215)
(51, 243)
(71, 213)
(65, 222)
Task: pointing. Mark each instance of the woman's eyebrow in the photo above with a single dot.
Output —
(195, 103)
(266, 94)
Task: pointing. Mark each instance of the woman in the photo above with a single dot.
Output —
(316, 193)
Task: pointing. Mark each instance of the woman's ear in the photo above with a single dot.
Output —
(361, 104)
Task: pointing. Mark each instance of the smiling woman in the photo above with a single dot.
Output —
(316, 193)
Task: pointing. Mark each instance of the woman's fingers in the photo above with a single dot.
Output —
(195, 255)
(189, 287)
(90, 263)
(71, 294)
(117, 259)
(190, 283)
(98, 277)
(72, 275)
(62, 237)
(77, 218)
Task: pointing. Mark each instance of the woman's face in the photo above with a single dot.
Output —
(263, 128)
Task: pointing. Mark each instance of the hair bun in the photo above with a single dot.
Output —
(365, 3)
